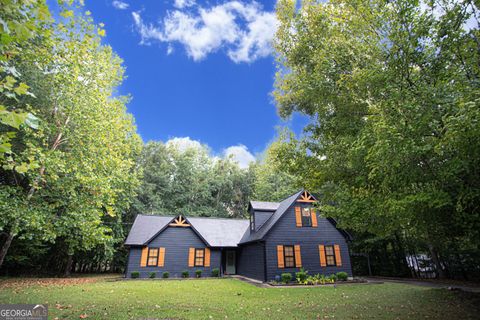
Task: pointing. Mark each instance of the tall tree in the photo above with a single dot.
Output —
(392, 89)
(86, 144)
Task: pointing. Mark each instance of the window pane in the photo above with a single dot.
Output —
(289, 262)
(199, 253)
(153, 252)
(288, 251)
(330, 260)
(306, 212)
(329, 250)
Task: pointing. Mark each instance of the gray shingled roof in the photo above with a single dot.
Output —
(264, 205)
(144, 227)
(220, 232)
(282, 208)
(217, 232)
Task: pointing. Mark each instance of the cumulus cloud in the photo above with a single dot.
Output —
(243, 30)
(184, 143)
(180, 4)
(240, 155)
(120, 5)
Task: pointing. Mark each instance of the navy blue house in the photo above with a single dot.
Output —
(278, 238)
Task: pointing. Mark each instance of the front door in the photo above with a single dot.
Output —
(230, 263)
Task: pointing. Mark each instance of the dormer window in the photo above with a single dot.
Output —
(252, 223)
(306, 217)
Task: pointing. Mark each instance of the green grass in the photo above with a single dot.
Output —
(233, 299)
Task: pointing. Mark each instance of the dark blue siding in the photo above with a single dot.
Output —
(285, 232)
(176, 242)
(251, 262)
(260, 218)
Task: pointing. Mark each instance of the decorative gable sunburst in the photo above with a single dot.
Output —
(306, 197)
(179, 222)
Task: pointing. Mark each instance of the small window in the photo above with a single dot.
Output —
(330, 255)
(289, 256)
(152, 257)
(199, 257)
(252, 222)
(306, 217)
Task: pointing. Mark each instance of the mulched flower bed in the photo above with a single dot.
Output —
(296, 284)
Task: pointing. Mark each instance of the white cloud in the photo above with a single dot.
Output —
(239, 154)
(245, 31)
(120, 5)
(180, 4)
(184, 143)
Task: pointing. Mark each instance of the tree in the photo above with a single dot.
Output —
(189, 181)
(388, 86)
(86, 144)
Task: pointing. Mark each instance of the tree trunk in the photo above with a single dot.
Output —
(68, 267)
(433, 252)
(5, 247)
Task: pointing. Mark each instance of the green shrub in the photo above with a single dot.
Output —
(342, 276)
(152, 275)
(135, 274)
(166, 274)
(286, 277)
(185, 274)
(198, 273)
(301, 276)
(333, 277)
(215, 272)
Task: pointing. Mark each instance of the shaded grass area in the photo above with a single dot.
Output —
(233, 299)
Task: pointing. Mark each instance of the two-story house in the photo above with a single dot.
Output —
(279, 237)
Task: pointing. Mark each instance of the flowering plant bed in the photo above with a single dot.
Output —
(297, 284)
(303, 279)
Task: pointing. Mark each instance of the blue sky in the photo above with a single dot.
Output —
(197, 69)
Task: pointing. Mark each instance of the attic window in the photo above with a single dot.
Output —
(252, 222)
(306, 217)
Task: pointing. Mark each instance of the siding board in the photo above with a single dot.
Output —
(286, 232)
(177, 242)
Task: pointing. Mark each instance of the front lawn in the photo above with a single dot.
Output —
(233, 299)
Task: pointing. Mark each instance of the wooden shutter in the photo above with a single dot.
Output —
(280, 258)
(143, 260)
(314, 218)
(207, 257)
(323, 260)
(298, 216)
(298, 256)
(191, 257)
(338, 257)
(161, 257)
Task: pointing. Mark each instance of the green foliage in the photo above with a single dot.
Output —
(75, 174)
(392, 92)
(286, 277)
(215, 272)
(188, 180)
(342, 276)
(135, 274)
(165, 274)
(185, 274)
(301, 276)
(198, 273)
(152, 275)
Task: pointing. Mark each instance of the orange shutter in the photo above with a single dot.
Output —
(298, 256)
(143, 260)
(314, 218)
(323, 260)
(191, 257)
(298, 216)
(338, 257)
(207, 257)
(161, 257)
(280, 257)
